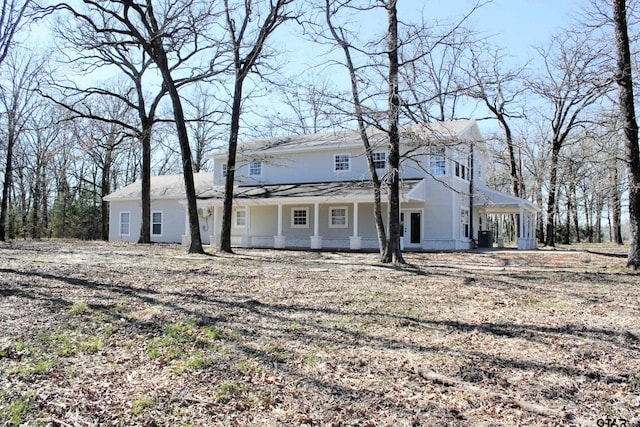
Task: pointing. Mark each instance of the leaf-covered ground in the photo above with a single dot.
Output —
(99, 334)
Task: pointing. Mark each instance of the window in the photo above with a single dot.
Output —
(462, 169)
(338, 217)
(240, 218)
(341, 162)
(464, 223)
(299, 218)
(156, 223)
(125, 223)
(379, 159)
(438, 162)
(224, 170)
(255, 168)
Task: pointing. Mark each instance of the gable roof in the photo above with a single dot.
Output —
(451, 130)
(162, 187)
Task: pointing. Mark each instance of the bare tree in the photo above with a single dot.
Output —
(17, 101)
(624, 81)
(500, 90)
(12, 19)
(248, 45)
(172, 35)
(340, 36)
(575, 79)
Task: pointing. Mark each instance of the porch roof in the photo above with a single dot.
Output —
(498, 202)
(318, 191)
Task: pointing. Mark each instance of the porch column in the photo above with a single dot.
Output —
(215, 226)
(316, 239)
(355, 241)
(186, 237)
(279, 241)
(522, 240)
(246, 242)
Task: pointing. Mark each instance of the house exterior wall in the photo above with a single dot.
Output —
(445, 198)
(173, 221)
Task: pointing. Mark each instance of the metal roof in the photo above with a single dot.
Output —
(437, 131)
(324, 191)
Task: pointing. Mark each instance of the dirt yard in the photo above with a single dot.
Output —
(98, 334)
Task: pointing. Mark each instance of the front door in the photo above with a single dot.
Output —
(412, 228)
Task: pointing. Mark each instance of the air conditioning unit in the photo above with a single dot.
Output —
(204, 212)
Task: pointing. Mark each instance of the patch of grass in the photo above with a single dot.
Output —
(120, 306)
(17, 410)
(166, 347)
(142, 403)
(312, 359)
(34, 368)
(78, 308)
(277, 353)
(212, 334)
(247, 367)
(227, 390)
(195, 362)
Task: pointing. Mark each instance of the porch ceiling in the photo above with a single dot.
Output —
(324, 191)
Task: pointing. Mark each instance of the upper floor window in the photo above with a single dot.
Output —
(342, 163)
(462, 169)
(255, 168)
(299, 218)
(379, 159)
(224, 170)
(125, 223)
(437, 161)
(156, 223)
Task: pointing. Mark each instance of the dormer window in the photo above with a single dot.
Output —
(342, 163)
(255, 168)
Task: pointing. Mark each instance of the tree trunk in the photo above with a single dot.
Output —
(393, 251)
(567, 230)
(145, 140)
(227, 209)
(355, 93)
(195, 245)
(616, 207)
(625, 89)
(576, 225)
(105, 189)
(551, 200)
(4, 207)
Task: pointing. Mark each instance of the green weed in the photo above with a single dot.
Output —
(142, 403)
(78, 308)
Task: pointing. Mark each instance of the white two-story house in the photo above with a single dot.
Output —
(314, 191)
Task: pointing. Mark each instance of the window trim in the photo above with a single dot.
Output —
(465, 226)
(383, 160)
(306, 217)
(235, 217)
(128, 233)
(161, 223)
(346, 217)
(251, 170)
(348, 162)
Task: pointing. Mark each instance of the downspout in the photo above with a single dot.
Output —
(474, 242)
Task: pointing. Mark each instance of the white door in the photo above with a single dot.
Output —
(412, 228)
